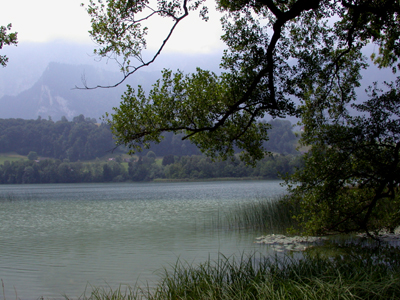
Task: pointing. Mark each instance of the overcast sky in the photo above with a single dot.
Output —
(50, 24)
(57, 31)
(49, 20)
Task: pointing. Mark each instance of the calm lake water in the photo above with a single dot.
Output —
(57, 239)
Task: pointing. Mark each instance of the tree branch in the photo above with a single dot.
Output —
(135, 69)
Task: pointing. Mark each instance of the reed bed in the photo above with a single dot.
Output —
(7, 197)
(271, 215)
(360, 276)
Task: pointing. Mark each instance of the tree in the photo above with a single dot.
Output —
(168, 159)
(351, 177)
(321, 39)
(32, 155)
(290, 57)
(281, 138)
(6, 39)
(151, 155)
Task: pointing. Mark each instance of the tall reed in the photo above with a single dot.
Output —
(7, 197)
(272, 215)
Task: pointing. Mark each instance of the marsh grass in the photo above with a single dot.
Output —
(359, 275)
(283, 278)
(125, 292)
(11, 197)
(7, 197)
(271, 215)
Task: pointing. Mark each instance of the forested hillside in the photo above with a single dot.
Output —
(78, 151)
(80, 139)
(84, 139)
(145, 168)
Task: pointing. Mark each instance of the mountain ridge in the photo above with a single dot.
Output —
(55, 94)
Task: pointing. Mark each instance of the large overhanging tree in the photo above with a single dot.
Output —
(352, 174)
(283, 58)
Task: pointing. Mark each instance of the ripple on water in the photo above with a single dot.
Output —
(54, 239)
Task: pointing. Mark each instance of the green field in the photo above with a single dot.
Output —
(12, 156)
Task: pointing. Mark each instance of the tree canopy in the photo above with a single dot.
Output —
(6, 39)
(352, 174)
(283, 57)
(277, 52)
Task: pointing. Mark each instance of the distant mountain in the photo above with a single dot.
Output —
(52, 94)
(55, 95)
(29, 60)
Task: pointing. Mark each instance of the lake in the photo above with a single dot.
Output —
(57, 239)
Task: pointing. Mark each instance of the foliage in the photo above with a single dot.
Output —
(177, 103)
(32, 155)
(6, 39)
(351, 176)
(167, 160)
(254, 277)
(151, 154)
(143, 169)
(200, 167)
(281, 138)
(80, 139)
(57, 171)
(277, 52)
(358, 276)
(297, 57)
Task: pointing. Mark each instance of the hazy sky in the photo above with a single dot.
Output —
(49, 20)
(57, 31)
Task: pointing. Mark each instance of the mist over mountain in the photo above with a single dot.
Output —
(39, 79)
(54, 94)
(28, 61)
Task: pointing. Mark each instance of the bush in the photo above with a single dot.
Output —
(32, 155)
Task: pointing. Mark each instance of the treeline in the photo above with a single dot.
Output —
(201, 167)
(80, 139)
(83, 139)
(146, 168)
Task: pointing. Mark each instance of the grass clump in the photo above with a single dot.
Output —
(285, 278)
(372, 274)
(274, 215)
(123, 292)
(7, 197)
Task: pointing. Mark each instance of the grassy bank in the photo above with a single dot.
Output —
(349, 270)
(358, 275)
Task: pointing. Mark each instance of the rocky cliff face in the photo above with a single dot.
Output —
(55, 94)
(50, 105)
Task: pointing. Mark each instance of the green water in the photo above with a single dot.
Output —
(57, 239)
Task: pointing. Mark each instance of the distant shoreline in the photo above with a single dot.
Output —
(160, 180)
(210, 179)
